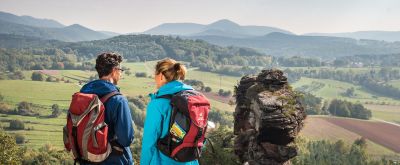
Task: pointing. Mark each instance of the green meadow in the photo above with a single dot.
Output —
(332, 89)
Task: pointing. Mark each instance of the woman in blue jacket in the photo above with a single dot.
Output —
(167, 75)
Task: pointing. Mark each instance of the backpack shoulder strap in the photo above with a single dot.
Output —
(105, 98)
(168, 96)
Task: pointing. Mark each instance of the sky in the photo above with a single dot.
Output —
(297, 16)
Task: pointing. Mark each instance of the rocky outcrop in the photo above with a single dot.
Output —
(268, 117)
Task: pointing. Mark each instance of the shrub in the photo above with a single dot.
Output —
(36, 76)
(17, 125)
(207, 89)
(56, 110)
(141, 74)
(10, 152)
(19, 139)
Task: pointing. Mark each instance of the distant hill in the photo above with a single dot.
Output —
(109, 33)
(390, 36)
(47, 29)
(30, 21)
(175, 29)
(133, 47)
(280, 44)
(223, 27)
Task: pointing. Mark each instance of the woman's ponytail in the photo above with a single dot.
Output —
(171, 69)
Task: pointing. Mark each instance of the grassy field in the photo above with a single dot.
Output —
(41, 130)
(43, 93)
(334, 89)
(395, 83)
(385, 112)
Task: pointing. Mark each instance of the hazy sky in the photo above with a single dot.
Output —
(298, 16)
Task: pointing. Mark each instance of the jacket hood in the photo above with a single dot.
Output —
(99, 87)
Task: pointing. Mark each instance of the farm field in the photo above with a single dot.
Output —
(383, 133)
(328, 128)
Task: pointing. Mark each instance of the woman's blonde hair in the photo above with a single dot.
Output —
(171, 69)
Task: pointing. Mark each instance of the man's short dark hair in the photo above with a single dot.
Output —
(105, 63)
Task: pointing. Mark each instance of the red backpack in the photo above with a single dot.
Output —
(86, 132)
(187, 126)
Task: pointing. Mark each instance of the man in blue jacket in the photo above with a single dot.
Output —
(117, 112)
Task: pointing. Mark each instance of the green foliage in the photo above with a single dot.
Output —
(17, 125)
(223, 118)
(10, 152)
(219, 148)
(207, 89)
(37, 76)
(26, 109)
(223, 93)
(332, 153)
(298, 61)
(138, 109)
(141, 74)
(312, 104)
(348, 109)
(47, 155)
(19, 138)
(1, 97)
(349, 92)
(194, 83)
(56, 111)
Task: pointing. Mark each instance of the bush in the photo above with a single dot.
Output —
(25, 109)
(207, 89)
(37, 76)
(141, 74)
(10, 152)
(128, 72)
(19, 139)
(24, 106)
(56, 110)
(50, 79)
(1, 97)
(195, 83)
(17, 125)
(5, 108)
(223, 93)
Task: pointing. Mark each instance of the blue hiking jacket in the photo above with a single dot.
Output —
(118, 118)
(156, 126)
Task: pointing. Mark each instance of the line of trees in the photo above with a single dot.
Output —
(347, 109)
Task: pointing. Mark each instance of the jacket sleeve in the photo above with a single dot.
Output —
(123, 124)
(152, 131)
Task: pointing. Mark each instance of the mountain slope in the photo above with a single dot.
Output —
(390, 36)
(222, 27)
(30, 21)
(280, 44)
(71, 33)
(175, 29)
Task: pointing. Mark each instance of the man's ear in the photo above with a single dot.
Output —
(113, 72)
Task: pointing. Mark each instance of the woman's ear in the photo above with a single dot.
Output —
(162, 77)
